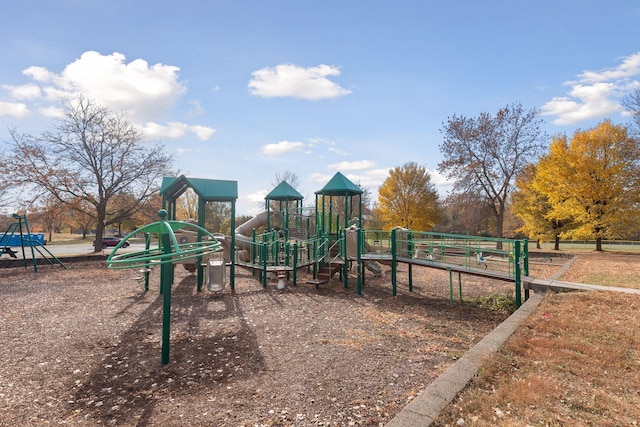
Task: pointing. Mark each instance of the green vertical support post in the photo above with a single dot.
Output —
(33, 254)
(330, 219)
(410, 277)
(307, 244)
(361, 250)
(201, 223)
(342, 235)
(264, 265)
(24, 256)
(393, 263)
(147, 244)
(359, 265)
(460, 285)
(450, 286)
(232, 267)
(295, 264)
(525, 250)
(516, 256)
(315, 258)
(253, 253)
(165, 285)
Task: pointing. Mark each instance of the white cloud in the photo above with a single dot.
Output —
(13, 109)
(288, 80)
(28, 91)
(585, 103)
(282, 147)
(337, 151)
(257, 196)
(320, 178)
(630, 67)
(350, 166)
(438, 179)
(595, 93)
(176, 130)
(145, 92)
(39, 74)
(170, 130)
(202, 132)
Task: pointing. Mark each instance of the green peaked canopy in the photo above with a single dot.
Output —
(206, 189)
(284, 191)
(340, 185)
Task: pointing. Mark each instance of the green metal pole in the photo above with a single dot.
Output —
(295, 264)
(202, 206)
(526, 265)
(410, 277)
(393, 263)
(33, 254)
(342, 235)
(450, 286)
(360, 265)
(460, 285)
(165, 280)
(264, 265)
(147, 244)
(232, 248)
(517, 271)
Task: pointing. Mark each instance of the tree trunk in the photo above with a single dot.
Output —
(556, 243)
(499, 226)
(100, 225)
(598, 244)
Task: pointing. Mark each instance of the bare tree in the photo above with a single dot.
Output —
(484, 154)
(631, 103)
(91, 155)
(287, 176)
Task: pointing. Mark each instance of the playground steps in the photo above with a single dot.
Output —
(325, 274)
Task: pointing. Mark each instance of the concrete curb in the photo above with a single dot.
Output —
(424, 409)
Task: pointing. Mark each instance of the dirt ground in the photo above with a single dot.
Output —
(82, 346)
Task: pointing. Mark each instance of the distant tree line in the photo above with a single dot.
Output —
(93, 172)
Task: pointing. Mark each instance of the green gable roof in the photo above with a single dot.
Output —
(206, 189)
(284, 191)
(339, 185)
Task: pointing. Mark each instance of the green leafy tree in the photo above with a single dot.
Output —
(408, 198)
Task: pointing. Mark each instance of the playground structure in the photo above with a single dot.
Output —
(168, 252)
(328, 239)
(287, 237)
(18, 234)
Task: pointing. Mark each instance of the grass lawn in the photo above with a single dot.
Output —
(575, 361)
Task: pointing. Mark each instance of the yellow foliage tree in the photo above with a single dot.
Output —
(408, 198)
(533, 207)
(594, 181)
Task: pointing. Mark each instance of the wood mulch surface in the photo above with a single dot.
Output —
(82, 346)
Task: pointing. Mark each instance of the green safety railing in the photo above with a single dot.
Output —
(505, 259)
(272, 251)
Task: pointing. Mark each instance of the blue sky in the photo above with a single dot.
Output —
(243, 90)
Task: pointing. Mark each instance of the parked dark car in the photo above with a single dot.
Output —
(111, 241)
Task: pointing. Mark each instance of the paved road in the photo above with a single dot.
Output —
(77, 249)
